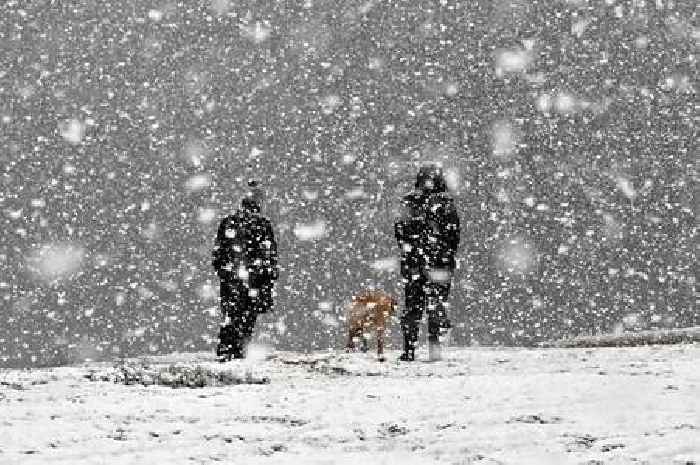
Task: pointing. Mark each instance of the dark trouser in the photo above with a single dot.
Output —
(242, 309)
(431, 296)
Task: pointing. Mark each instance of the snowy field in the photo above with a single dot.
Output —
(480, 406)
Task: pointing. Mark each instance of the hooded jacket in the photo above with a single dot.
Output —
(428, 234)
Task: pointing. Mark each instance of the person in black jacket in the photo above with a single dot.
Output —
(428, 236)
(245, 258)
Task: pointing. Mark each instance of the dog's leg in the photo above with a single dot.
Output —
(350, 346)
(365, 344)
(380, 343)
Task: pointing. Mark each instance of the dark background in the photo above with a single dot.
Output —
(584, 218)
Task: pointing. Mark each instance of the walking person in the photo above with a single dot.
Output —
(245, 258)
(428, 236)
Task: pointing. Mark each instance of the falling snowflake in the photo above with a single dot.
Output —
(390, 264)
(512, 61)
(258, 32)
(310, 231)
(504, 139)
(198, 182)
(72, 131)
(55, 262)
(206, 215)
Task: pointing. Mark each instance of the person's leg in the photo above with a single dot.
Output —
(365, 344)
(410, 320)
(438, 323)
(248, 327)
(265, 301)
(223, 348)
(352, 334)
(437, 304)
(380, 343)
(238, 316)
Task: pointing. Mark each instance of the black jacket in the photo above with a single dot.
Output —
(428, 233)
(245, 247)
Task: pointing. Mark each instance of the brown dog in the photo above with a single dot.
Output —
(368, 310)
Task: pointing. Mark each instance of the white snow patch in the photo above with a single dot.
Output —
(55, 262)
(329, 407)
(72, 131)
(310, 231)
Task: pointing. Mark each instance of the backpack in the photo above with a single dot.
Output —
(431, 233)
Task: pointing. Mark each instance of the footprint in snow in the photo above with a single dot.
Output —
(535, 419)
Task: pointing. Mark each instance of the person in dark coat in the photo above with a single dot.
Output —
(428, 236)
(245, 258)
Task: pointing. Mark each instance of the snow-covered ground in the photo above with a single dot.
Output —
(480, 405)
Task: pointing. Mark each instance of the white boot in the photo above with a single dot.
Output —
(434, 350)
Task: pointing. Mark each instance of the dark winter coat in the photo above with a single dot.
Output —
(245, 247)
(428, 234)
